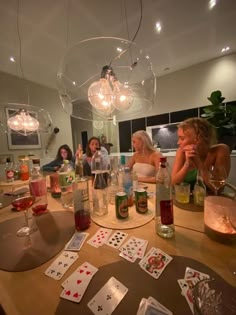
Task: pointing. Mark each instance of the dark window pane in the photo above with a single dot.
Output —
(158, 120)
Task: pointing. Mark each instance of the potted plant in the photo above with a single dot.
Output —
(222, 117)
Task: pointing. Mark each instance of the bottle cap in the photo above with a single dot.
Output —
(163, 159)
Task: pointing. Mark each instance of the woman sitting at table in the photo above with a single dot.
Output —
(92, 145)
(145, 161)
(64, 153)
(198, 151)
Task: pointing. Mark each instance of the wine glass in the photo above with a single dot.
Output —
(217, 177)
(23, 204)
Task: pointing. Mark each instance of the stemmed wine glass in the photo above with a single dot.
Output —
(23, 204)
(217, 177)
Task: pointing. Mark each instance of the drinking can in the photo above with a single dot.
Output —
(141, 201)
(121, 202)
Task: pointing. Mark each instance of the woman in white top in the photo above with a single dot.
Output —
(145, 161)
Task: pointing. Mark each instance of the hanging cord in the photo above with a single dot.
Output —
(20, 53)
(67, 22)
(134, 37)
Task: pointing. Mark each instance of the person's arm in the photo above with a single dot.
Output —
(53, 166)
(131, 162)
(180, 168)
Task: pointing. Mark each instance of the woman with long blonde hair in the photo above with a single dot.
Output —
(145, 161)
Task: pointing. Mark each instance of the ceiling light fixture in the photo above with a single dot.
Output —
(211, 4)
(21, 121)
(158, 27)
(225, 49)
(12, 59)
(114, 79)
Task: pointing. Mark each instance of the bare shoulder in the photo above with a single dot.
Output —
(220, 148)
(156, 155)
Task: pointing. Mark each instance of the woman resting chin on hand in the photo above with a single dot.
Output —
(197, 152)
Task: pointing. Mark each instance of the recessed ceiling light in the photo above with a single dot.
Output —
(158, 27)
(12, 59)
(147, 57)
(74, 83)
(211, 4)
(119, 49)
(225, 49)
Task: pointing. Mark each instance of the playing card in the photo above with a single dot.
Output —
(154, 262)
(187, 286)
(130, 249)
(100, 237)
(148, 308)
(116, 239)
(161, 307)
(86, 270)
(76, 241)
(141, 251)
(76, 284)
(192, 273)
(61, 264)
(108, 297)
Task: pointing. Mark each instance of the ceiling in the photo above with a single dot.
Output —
(191, 33)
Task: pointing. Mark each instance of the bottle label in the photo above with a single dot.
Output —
(66, 179)
(9, 174)
(166, 207)
(38, 188)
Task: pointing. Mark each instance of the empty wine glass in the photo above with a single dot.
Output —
(217, 178)
(23, 204)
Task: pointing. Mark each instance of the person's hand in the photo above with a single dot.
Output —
(190, 152)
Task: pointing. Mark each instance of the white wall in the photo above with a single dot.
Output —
(190, 87)
(13, 89)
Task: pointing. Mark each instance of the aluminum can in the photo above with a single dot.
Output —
(121, 202)
(141, 201)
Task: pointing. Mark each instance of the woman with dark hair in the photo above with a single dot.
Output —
(64, 153)
(92, 145)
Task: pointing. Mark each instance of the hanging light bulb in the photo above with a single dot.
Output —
(23, 121)
(123, 96)
(109, 94)
(100, 93)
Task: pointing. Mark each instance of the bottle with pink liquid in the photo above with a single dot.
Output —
(38, 189)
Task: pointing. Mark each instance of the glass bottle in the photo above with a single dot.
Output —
(199, 191)
(164, 202)
(135, 181)
(113, 185)
(100, 196)
(38, 189)
(128, 185)
(81, 204)
(9, 170)
(24, 170)
(66, 179)
(79, 163)
(16, 171)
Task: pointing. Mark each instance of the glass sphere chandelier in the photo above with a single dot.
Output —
(24, 119)
(106, 78)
